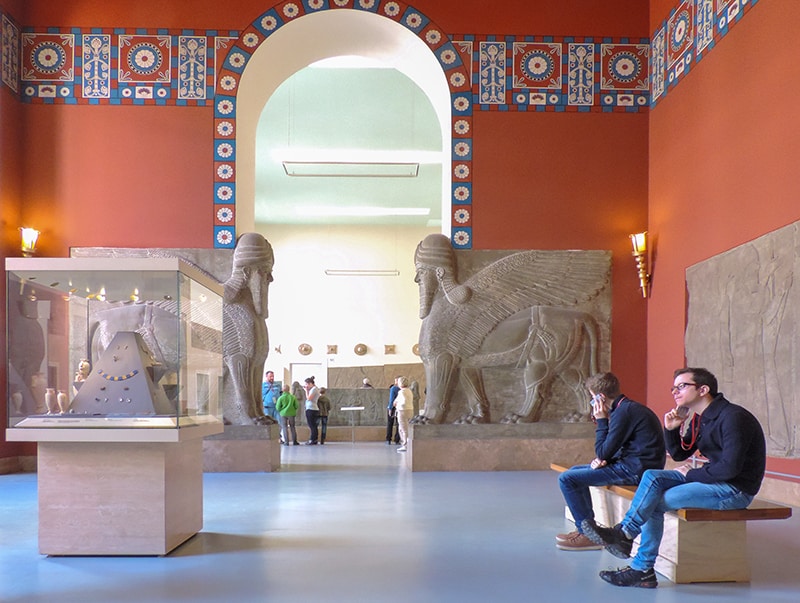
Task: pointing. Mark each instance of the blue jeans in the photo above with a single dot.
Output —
(575, 482)
(312, 416)
(662, 491)
(323, 428)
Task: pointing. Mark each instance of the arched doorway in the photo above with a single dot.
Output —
(285, 39)
(278, 45)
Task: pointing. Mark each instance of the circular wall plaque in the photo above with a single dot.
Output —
(304, 349)
(360, 349)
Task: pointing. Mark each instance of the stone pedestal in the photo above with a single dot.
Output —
(243, 448)
(108, 498)
(118, 491)
(499, 447)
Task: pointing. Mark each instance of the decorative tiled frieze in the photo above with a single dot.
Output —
(691, 30)
(113, 66)
(545, 73)
(484, 72)
(9, 47)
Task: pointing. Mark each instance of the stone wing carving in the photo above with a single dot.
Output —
(521, 281)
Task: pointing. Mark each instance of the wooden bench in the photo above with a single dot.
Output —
(699, 545)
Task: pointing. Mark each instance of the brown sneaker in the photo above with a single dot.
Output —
(565, 537)
(579, 542)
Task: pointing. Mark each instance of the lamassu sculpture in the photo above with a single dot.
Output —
(245, 340)
(521, 312)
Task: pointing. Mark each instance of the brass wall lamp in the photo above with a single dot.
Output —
(639, 241)
(28, 244)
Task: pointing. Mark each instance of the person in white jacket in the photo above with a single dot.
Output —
(404, 410)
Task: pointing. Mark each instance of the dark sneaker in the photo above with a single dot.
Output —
(613, 539)
(578, 542)
(630, 577)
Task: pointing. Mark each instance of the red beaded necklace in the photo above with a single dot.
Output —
(694, 429)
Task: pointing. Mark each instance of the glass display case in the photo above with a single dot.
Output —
(112, 343)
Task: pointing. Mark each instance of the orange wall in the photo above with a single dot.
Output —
(142, 176)
(10, 170)
(724, 147)
(659, 12)
(10, 209)
(615, 18)
(119, 176)
(136, 176)
(575, 181)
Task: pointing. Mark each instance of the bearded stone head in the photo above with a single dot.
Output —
(435, 262)
(252, 268)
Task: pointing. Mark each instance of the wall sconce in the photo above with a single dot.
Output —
(639, 241)
(29, 238)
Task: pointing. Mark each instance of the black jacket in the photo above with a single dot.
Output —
(631, 435)
(731, 438)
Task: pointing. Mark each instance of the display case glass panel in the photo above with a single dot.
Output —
(112, 343)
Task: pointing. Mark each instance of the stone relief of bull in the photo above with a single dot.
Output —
(523, 312)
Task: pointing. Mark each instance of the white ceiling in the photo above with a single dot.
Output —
(339, 115)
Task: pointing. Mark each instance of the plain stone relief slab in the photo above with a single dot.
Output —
(743, 320)
(519, 447)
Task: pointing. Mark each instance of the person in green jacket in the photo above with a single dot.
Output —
(286, 405)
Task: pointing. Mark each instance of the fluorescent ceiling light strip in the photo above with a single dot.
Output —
(337, 169)
(363, 211)
(350, 61)
(332, 272)
(368, 156)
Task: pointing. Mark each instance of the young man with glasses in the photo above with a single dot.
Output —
(732, 440)
(628, 440)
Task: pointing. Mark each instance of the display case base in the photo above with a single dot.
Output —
(243, 448)
(119, 498)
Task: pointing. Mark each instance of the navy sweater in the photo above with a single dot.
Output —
(631, 435)
(731, 438)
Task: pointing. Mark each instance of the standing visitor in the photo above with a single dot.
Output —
(312, 410)
(286, 405)
(324, 404)
(404, 410)
(269, 394)
(391, 417)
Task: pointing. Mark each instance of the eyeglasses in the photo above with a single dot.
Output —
(682, 386)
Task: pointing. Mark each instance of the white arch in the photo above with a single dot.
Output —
(318, 36)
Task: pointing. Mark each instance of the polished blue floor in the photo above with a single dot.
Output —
(345, 522)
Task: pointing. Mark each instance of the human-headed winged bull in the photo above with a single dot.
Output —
(521, 312)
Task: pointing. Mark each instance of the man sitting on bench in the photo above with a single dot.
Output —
(628, 440)
(729, 436)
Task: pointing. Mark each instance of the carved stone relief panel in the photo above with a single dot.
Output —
(743, 322)
(511, 336)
